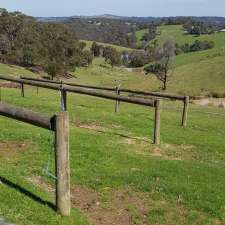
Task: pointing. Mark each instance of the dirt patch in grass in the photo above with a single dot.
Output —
(165, 151)
(112, 207)
(40, 182)
(125, 206)
(90, 126)
(9, 149)
(9, 85)
(215, 102)
(175, 152)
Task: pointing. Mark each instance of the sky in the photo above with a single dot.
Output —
(117, 7)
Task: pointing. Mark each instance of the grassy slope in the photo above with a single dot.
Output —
(14, 70)
(139, 34)
(200, 71)
(196, 179)
(119, 48)
(183, 178)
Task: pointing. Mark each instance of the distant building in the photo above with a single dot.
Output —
(223, 30)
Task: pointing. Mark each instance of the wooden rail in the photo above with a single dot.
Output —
(118, 91)
(59, 123)
(65, 88)
(78, 90)
(154, 94)
(69, 84)
(26, 116)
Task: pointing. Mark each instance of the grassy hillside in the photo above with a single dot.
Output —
(204, 75)
(116, 172)
(118, 48)
(139, 34)
(14, 70)
(197, 72)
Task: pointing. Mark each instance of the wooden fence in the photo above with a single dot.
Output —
(58, 123)
(118, 91)
(80, 90)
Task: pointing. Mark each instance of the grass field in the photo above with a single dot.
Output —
(118, 177)
(117, 47)
(199, 72)
(114, 165)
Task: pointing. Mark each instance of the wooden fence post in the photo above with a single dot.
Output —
(63, 201)
(117, 101)
(22, 90)
(157, 122)
(185, 111)
(63, 100)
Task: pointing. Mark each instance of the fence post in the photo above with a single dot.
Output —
(22, 90)
(63, 100)
(157, 122)
(63, 201)
(185, 111)
(117, 101)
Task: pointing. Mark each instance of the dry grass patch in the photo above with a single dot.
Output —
(9, 149)
(95, 126)
(144, 146)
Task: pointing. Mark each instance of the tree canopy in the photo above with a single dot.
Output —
(26, 42)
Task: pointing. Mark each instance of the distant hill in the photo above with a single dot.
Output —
(213, 19)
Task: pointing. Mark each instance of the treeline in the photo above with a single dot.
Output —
(194, 25)
(199, 28)
(52, 47)
(194, 47)
(139, 58)
(104, 30)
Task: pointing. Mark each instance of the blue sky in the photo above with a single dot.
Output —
(117, 7)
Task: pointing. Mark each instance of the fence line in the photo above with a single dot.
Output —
(78, 90)
(65, 88)
(118, 91)
(59, 123)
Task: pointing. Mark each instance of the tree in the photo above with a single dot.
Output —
(96, 49)
(163, 62)
(27, 42)
(53, 69)
(112, 56)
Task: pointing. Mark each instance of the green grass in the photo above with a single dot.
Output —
(117, 47)
(199, 72)
(194, 73)
(14, 70)
(139, 34)
(182, 179)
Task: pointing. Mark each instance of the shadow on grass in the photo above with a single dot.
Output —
(29, 194)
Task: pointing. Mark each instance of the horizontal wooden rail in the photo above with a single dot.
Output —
(26, 116)
(69, 84)
(154, 94)
(84, 91)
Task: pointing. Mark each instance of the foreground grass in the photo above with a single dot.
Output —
(182, 179)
